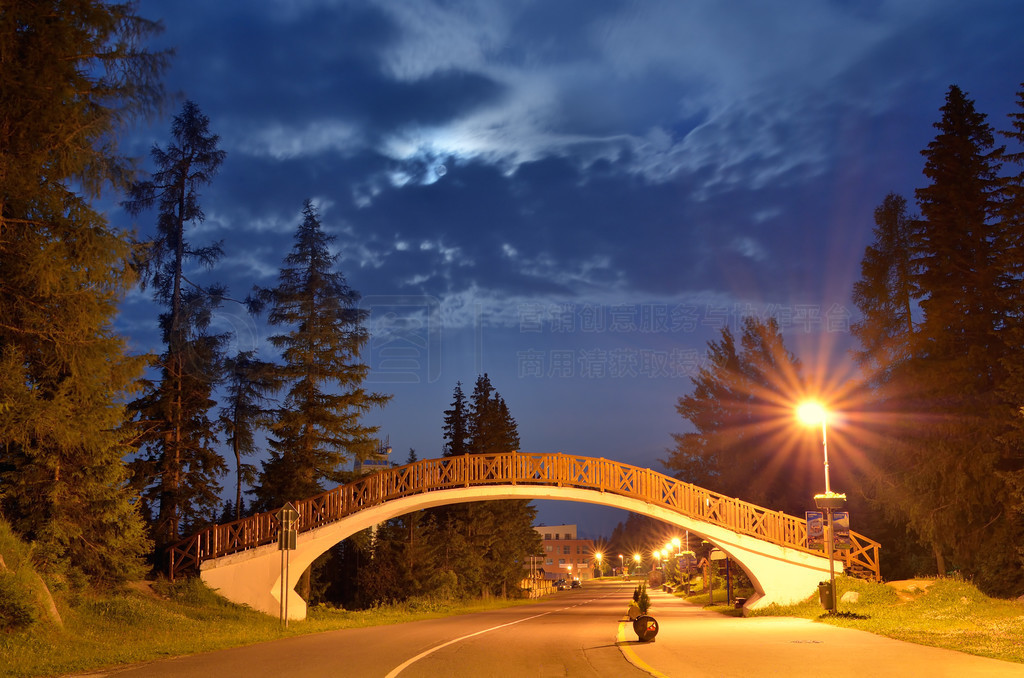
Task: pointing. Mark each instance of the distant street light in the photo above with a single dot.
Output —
(812, 413)
(636, 559)
(600, 570)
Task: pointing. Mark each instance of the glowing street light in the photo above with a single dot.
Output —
(598, 556)
(811, 413)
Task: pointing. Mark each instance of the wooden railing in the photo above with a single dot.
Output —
(515, 468)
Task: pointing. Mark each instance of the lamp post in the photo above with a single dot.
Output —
(636, 567)
(622, 565)
(812, 413)
(600, 569)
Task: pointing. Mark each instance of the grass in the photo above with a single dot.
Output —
(140, 625)
(947, 613)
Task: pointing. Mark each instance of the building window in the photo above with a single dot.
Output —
(548, 548)
(547, 536)
(549, 562)
(561, 561)
(566, 550)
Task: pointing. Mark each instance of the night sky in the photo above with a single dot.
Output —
(573, 196)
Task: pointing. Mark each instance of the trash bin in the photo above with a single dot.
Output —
(825, 594)
(740, 602)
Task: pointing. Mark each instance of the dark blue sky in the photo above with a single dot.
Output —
(573, 196)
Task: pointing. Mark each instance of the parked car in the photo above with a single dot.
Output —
(575, 584)
(562, 585)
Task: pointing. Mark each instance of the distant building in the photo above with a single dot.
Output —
(563, 556)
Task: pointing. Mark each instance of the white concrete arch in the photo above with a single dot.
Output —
(253, 577)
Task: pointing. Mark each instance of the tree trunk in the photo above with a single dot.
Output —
(940, 560)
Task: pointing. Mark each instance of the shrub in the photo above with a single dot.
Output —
(17, 604)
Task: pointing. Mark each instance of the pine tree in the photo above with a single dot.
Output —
(73, 74)
(319, 426)
(250, 382)
(490, 540)
(178, 464)
(954, 242)
(740, 409)
(455, 426)
(940, 457)
(885, 292)
(1012, 262)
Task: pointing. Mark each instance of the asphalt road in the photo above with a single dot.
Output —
(579, 634)
(570, 633)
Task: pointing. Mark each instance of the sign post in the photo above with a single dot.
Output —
(287, 536)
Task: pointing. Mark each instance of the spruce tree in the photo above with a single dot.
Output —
(178, 464)
(249, 383)
(941, 455)
(1012, 262)
(491, 539)
(885, 292)
(455, 431)
(740, 409)
(73, 74)
(319, 426)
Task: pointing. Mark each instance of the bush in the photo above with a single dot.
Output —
(640, 597)
(17, 603)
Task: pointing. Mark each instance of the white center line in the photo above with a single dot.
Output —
(409, 662)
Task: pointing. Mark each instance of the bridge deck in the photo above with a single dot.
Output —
(520, 469)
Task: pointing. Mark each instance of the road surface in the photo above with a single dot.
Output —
(580, 634)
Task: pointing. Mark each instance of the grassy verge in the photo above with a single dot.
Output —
(947, 613)
(171, 620)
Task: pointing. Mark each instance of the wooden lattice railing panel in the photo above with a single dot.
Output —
(513, 469)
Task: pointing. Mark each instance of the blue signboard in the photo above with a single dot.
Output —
(816, 530)
(841, 530)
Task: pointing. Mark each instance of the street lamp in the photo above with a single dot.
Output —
(811, 413)
(622, 565)
(600, 569)
(636, 559)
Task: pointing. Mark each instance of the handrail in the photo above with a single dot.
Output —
(516, 468)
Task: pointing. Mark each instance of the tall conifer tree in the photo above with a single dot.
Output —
(740, 409)
(179, 464)
(941, 456)
(455, 431)
(488, 542)
(249, 385)
(319, 426)
(885, 292)
(73, 74)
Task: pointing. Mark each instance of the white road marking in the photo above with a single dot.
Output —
(409, 662)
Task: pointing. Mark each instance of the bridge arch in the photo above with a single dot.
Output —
(241, 561)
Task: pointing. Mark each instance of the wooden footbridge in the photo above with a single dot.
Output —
(239, 558)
